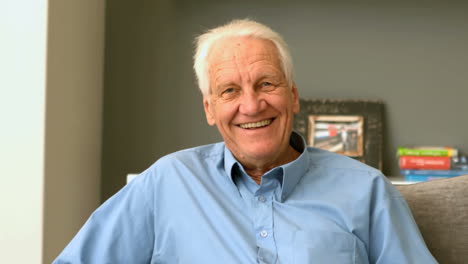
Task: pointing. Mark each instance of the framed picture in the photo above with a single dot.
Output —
(348, 127)
(337, 133)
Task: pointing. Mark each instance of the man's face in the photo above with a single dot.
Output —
(250, 101)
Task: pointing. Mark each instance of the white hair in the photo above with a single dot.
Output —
(237, 28)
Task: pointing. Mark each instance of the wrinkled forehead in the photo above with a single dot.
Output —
(244, 49)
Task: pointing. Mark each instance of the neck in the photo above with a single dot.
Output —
(256, 171)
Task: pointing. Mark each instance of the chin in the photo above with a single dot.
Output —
(263, 153)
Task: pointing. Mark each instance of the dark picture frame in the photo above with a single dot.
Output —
(323, 122)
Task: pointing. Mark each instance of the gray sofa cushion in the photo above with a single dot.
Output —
(440, 208)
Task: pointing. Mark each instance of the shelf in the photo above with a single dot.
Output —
(400, 180)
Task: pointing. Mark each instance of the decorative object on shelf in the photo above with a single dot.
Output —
(350, 127)
(424, 163)
(429, 163)
(337, 133)
(427, 151)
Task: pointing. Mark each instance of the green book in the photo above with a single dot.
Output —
(428, 151)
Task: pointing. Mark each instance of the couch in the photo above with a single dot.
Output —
(440, 208)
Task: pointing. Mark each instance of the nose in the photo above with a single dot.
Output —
(252, 103)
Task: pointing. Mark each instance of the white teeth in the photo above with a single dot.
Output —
(256, 124)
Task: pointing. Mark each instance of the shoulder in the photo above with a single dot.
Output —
(193, 155)
(347, 175)
(345, 171)
(333, 161)
(192, 159)
(178, 167)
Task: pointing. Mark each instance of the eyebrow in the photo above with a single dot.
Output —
(259, 77)
(229, 84)
(268, 76)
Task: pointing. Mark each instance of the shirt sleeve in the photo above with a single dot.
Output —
(119, 231)
(394, 235)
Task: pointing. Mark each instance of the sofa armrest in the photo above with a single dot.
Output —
(440, 208)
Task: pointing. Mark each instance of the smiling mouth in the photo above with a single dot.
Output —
(258, 124)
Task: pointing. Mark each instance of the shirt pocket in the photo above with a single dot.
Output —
(323, 247)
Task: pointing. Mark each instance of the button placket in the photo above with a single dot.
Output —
(263, 217)
(263, 220)
(262, 198)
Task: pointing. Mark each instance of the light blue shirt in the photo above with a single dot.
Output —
(199, 206)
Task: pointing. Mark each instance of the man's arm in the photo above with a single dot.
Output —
(120, 231)
(394, 235)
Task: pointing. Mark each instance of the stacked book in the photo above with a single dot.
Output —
(428, 163)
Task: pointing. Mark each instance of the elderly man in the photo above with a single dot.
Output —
(261, 196)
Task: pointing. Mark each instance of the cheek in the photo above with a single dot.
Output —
(283, 105)
(225, 113)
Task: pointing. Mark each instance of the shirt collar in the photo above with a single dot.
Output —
(292, 172)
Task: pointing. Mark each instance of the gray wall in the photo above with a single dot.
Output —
(411, 56)
(73, 132)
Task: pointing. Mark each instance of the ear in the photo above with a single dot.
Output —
(208, 111)
(295, 97)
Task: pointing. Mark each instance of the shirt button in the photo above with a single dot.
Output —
(263, 233)
(262, 198)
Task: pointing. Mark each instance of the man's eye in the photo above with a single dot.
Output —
(267, 86)
(228, 90)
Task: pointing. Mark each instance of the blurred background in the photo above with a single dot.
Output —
(94, 90)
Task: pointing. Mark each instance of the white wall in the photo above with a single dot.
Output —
(50, 123)
(23, 26)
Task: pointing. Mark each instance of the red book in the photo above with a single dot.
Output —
(424, 163)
